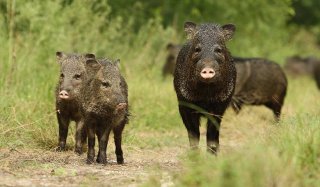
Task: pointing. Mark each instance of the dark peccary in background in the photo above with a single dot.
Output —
(72, 76)
(297, 65)
(105, 107)
(204, 77)
(173, 50)
(259, 82)
(316, 73)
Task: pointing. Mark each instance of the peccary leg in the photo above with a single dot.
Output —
(91, 143)
(99, 132)
(236, 106)
(80, 132)
(191, 120)
(84, 136)
(276, 108)
(213, 135)
(103, 142)
(117, 131)
(63, 131)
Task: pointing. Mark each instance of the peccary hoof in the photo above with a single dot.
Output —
(101, 161)
(59, 149)
(78, 151)
(214, 150)
(90, 161)
(120, 160)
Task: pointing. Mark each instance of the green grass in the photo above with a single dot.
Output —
(255, 151)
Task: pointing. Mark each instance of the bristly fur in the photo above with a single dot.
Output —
(205, 47)
(105, 107)
(71, 65)
(259, 82)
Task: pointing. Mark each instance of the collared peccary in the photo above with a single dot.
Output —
(259, 82)
(169, 66)
(204, 79)
(316, 73)
(72, 76)
(105, 107)
(297, 65)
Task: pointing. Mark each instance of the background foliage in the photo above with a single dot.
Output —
(137, 31)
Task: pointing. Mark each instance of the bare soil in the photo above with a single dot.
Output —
(38, 167)
(22, 167)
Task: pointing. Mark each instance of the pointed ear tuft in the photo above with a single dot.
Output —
(117, 63)
(89, 55)
(190, 29)
(228, 31)
(92, 67)
(92, 63)
(170, 46)
(60, 55)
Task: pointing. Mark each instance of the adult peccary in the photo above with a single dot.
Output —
(169, 66)
(105, 107)
(259, 82)
(297, 65)
(316, 73)
(72, 76)
(204, 79)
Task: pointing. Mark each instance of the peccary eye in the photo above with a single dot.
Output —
(197, 49)
(105, 84)
(218, 50)
(77, 76)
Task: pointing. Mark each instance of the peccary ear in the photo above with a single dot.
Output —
(89, 55)
(117, 62)
(190, 29)
(228, 30)
(92, 66)
(60, 55)
(170, 46)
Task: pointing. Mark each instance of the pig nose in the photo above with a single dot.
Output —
(207, 73)
(64, 94)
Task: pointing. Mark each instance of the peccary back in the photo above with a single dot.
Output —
(204, 79)
(259, 82)
(105, 107)
(72, 76)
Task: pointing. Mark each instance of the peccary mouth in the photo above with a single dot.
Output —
(207, 80)
(120, 107)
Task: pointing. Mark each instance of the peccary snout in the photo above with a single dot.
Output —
(120, 107)
(64, 94)
(207, 73)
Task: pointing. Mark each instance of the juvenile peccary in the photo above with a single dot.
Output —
(105, 107)
(72, 76)
(169, 66)
(259, 82)
(204, 80)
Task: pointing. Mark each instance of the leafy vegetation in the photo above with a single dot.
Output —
(137, 33)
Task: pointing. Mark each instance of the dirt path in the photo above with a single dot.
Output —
(28, 167)
(48, 168)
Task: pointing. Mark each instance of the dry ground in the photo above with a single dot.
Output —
(37, 167)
